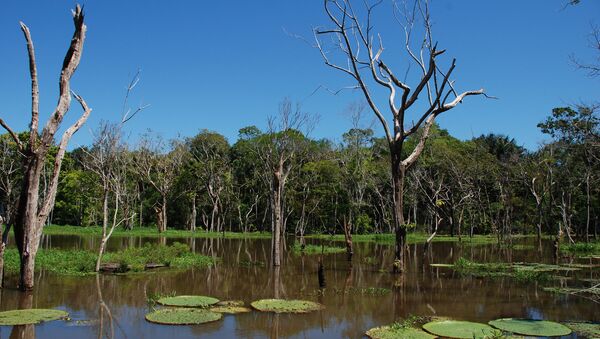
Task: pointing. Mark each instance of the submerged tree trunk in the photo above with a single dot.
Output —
(277, 219)
(348, 238)
(398, 175)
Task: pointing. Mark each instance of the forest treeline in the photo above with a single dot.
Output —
(485, 185)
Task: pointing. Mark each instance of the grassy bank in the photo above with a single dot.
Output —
(412, 238)
(582, 249)
(150, 232)
(81, 262)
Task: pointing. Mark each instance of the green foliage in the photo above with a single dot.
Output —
(582, 248)
(459, 329)
(317, 249)
(530, 327)
(81, 262)
(286, 306)
(188, 301)
(177, 255)
(182, 316)
(30, 316)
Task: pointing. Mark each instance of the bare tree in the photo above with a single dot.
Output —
(34, 206)
(361, 53)
(278, 153)
(107, 160)
(159, 164)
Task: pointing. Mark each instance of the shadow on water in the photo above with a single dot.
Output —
(358, 295)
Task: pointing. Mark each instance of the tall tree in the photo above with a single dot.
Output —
(32, 212)
(361, 51)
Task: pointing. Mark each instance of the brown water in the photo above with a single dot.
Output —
(349, 312)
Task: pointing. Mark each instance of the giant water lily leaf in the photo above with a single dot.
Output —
(182, 316)
(188, 301)
(539, 328)
(30, 316)
(286, 306)
(459, 329)
(390, 332)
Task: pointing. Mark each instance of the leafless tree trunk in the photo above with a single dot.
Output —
(362, 59)
(33, 212)
(279, 155)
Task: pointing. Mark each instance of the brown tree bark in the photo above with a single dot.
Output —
(33, 205)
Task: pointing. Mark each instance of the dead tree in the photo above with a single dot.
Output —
(278, 152)
(361, 59)
(159, 166)
(106, 159)
(34, 206)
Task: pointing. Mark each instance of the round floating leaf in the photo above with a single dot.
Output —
(230, 303)
(442, 265)
(589, 330)
(188, 301)
(538, 328)
(459, 329)
(390, 332)
(230, 309)
(30, 316)
(182, 316)
(286, 306)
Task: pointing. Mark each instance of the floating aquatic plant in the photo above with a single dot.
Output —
(182, 316)
(30, 316)
(589, 330)
(286, 306)
(391, 332)
(530, 327)
(460, 329)
(188, 301)
(230, 309)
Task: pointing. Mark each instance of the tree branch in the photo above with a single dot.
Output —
(12, 134)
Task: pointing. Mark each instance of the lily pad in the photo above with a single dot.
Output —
(286, 306)
(442, 265)
(230, 303)
(182, 316)
(188, 301)
(459, 329)
(589, 330)
(530, 327)
(389, 332)
(30, 316)
(230, 309)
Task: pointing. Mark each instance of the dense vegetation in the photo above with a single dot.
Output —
(486, 185)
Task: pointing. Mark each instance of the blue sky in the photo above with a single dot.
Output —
(223, 65)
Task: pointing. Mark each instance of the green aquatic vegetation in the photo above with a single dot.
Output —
(589, 330)
(182, 316)
(152, 232)
(177, 255)
(582, 248)
(250, 263)
(393, 332)
(58, 261)
(188, 301)
(286, 306)
(152, 298)
(82, 262)
(530, 327)
(230, 309)
(531, 276)
(460, 329)
(30, 316)
(317, 249)
(230, 303)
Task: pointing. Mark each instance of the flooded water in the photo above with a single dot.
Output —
(358, 295)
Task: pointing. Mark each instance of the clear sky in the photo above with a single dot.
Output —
(223, 65)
